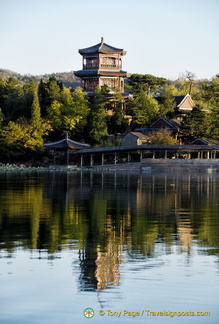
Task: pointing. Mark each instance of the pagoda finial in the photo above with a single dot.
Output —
(102, 40)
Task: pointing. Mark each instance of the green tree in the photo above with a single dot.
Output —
(212, 94)
(81, 108)
(143, 109)
(70, 112)
(2, 117)
(197, 123)
(37, 135)
(107, 97)
(35, 109)
(145, 82)
(117, 122)
(48, 92)
(11, 97)
(11, 140)
(167, 103)
(97, 118)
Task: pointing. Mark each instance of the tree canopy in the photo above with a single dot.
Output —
(33, 111)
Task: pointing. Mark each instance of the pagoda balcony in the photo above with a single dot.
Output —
(110, 66)
(91, 66)
(102, 66)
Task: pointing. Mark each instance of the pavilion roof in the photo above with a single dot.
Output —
(101, 48)
(66, 144)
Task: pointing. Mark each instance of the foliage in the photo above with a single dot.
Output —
(144, 109)
(167, 103)
(97, 118)
(68, 79)
(2, 117)
(35, 109)
(117, 122)
(162, 137)
(197, 123)
(69, 112)
(145, 82)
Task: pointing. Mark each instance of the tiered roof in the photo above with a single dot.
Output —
(101, 48)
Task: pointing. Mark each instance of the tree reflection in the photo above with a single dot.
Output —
(104, 215)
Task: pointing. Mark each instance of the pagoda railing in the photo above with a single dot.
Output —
(101, 66)
(91, 66)
(110, 66)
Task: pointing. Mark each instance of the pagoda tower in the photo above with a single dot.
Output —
(101, 65)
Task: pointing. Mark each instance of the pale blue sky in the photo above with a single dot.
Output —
(162, 37)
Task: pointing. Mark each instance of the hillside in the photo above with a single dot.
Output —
(67, 78)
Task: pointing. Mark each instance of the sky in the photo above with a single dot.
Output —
(164, 38)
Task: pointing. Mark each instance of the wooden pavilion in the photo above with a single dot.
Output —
(101, 65)
(65, 145)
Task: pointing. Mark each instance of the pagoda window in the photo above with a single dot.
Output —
(108, 62)
(110, 82)
(91, 62)
(90, 84)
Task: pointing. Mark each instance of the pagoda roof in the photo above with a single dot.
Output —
(66, 144)
(95, 72)
(101, 48)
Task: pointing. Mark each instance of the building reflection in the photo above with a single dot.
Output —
(109, 259)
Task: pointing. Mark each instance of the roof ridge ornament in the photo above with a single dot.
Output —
(102, 40)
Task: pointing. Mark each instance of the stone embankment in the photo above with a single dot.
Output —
(176, 165)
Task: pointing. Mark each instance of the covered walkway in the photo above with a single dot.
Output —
(138, 153)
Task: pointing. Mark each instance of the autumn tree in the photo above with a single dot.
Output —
(162, 137)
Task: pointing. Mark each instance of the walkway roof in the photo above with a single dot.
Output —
(148, 148)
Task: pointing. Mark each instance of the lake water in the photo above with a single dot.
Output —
(126, 247)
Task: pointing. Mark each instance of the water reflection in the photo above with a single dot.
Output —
(104, 215)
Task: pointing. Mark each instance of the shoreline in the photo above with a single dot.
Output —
(146, 165)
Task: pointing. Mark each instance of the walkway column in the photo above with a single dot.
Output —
(153, 155)
(102, 158)
(115, 157)
(208, 155)
(91, 159)
(129, 157)
(140, 155)
(67, 157)
(165, 154)
(81, 160)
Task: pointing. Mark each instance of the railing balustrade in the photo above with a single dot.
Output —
(97, 66)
